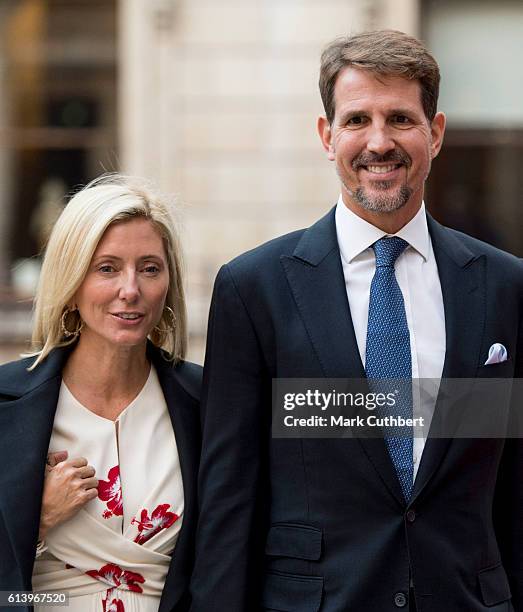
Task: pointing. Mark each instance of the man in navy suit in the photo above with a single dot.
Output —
(375, 288)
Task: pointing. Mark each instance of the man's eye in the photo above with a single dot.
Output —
(403, 119)
(357, 120)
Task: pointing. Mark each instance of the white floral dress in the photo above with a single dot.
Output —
(114, 554)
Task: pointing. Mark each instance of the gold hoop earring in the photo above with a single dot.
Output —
(172, 325)
(63, 323)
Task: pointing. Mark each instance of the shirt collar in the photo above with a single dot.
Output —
(355, 234)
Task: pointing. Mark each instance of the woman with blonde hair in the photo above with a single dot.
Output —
(100, 427)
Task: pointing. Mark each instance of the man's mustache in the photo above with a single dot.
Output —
(395, 156)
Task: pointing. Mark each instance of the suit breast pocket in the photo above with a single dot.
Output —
(504, 369)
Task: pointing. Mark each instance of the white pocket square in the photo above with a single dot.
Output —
(496, 354)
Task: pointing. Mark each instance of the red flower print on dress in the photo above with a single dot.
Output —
(110, 491)
(114, 605)
(150, 526)
(115, 576)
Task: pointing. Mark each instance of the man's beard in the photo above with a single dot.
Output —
(385, 202)
(380, 202)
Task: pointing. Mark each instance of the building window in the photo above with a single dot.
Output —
(476, 183)
(57, 119)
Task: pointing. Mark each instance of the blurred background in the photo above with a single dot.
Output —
(217, 103)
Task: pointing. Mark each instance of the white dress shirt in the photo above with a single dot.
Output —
(418, 278)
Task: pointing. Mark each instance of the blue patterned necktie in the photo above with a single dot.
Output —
(388, 349)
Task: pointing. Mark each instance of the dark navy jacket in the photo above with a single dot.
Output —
(320, 525)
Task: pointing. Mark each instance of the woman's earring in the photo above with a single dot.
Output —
(172, 326)
(63, 323)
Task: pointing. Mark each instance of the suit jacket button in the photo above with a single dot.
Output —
(400, 600)
(411, 516)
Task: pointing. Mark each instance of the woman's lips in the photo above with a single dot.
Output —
(128, 318)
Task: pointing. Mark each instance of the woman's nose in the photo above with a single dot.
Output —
(129, 289)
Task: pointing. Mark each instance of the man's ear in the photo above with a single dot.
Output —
(325, 132)
(437, 131)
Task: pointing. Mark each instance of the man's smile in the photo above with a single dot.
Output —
(381, 169)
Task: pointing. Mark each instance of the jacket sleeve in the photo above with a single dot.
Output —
(236, 419)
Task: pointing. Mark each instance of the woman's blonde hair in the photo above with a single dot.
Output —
(109, 199)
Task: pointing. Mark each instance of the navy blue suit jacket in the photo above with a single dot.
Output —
(308, 525)
(27, 407)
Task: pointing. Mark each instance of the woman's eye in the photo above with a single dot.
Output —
(152, 269)
(106, 269)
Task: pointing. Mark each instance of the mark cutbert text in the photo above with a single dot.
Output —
(358, 421)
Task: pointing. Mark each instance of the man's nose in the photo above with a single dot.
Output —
(380, 140)
(129, 288)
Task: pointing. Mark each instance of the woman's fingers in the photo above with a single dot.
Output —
(70, 468)
(68, 486)
(77, 462)
(90, 494)
(86, 472)
(76, 472)
(89, 483)
(56, 457)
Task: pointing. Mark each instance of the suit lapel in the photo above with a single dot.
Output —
(463, 285)
(315, 276)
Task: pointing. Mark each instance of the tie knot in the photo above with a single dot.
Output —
(387, 250)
